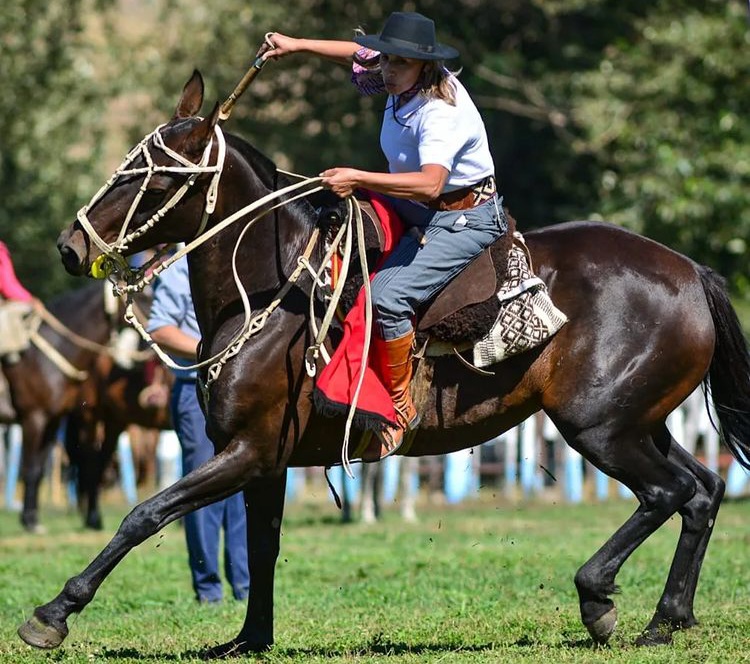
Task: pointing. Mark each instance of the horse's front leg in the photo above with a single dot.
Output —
(264, 504)
(92, 463)
(218, 478)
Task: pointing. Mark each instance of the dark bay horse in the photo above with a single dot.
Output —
(86, 391)
(647, 325)
(41, 391)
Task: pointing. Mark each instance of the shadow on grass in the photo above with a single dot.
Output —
(375, 649)
(380, 648)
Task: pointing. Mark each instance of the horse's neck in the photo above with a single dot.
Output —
(265, 258)
(83, 314)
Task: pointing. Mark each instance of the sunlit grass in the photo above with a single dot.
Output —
(479, 582)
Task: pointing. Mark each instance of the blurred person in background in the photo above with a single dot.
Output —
(172, 325)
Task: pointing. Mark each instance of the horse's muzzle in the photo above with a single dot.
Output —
(73, 261)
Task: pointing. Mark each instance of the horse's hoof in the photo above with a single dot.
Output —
(38, 634)
(603, 627)
(94, 523)
(35, 529)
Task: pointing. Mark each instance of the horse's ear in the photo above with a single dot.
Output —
(201, 134)
(192, 97)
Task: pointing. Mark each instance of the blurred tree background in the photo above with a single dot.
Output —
(629, 112)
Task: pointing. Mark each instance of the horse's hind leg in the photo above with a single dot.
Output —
(407, 478)
(675, 608)
(661, 487)
(264, 502)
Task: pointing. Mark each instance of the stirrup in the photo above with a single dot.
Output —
(381, 446)
(388, 447)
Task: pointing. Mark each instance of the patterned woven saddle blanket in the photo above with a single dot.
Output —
(524, 317)
(527, 316)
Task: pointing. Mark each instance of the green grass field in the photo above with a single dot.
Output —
(485, 581)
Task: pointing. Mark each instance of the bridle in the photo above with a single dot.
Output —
(111, 260)
(126, 280)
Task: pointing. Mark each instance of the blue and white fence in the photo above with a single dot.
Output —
(525, 462)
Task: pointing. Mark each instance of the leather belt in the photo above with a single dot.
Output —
(465, 198)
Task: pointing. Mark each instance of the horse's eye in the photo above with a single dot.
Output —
(152, 197)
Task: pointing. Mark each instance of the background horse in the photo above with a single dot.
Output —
(646, 326)
(110, 402)
(43, 393)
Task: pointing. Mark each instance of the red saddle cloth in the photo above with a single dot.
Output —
(337, 382)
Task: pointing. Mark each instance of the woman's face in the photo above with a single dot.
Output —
(399, 74)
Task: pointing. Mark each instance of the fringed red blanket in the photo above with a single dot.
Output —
(337, 382)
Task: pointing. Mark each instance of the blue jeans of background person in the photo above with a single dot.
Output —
(203, 526)
(413, 273)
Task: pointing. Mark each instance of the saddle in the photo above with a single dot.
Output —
(14, 323)
(466, 308)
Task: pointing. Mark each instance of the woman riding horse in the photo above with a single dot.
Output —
(441, 181)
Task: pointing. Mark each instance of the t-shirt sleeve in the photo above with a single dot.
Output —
(10, 287)
(168, 306)
(439, 137)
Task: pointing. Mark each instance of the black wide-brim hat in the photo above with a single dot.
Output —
(409, 35)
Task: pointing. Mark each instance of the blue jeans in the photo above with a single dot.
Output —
(413, 273)
(203, 526)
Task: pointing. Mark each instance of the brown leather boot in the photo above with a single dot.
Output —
(394, 368)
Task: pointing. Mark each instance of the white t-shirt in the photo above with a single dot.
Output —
(437, 133)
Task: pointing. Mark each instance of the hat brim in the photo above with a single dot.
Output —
(440, 52)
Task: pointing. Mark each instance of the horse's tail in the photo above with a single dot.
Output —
(728, 379)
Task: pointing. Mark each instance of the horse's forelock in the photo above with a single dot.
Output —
(176, 133)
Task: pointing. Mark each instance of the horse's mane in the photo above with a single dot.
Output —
(71, 303)
(270, 177)
(263, 166)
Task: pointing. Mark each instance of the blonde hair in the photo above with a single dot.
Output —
(437, 82)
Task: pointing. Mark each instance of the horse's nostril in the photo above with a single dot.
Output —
(70, 259)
